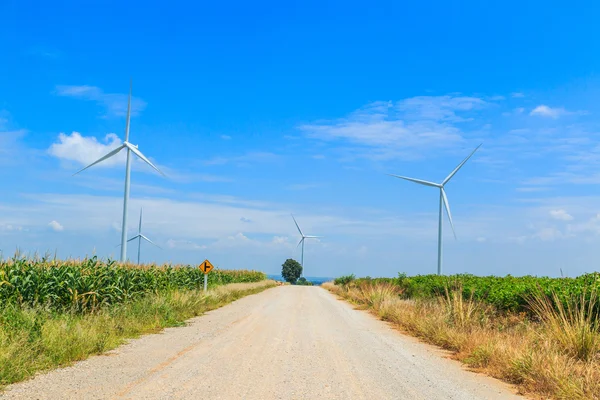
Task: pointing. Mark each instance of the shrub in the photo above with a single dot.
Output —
(344, 280)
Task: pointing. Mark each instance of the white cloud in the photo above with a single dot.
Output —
(225, 137)
(561, 215)
(481, 239)
(84, 150)
(55, 226)
(115, 104)
(518, 95)
(87, 149)
(545, 111)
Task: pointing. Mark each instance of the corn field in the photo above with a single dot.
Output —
(89, 284)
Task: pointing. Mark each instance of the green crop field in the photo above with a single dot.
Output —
(91, 283)
(509, 293)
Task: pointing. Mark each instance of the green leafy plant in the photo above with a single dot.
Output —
(89, 284)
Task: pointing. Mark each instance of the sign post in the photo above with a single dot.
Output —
(206, 267)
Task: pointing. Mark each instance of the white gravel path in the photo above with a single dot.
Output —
(289, 342)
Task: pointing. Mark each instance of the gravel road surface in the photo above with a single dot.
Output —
(289, 342)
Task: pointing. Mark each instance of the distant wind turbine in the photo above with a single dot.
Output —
(444, 200)
(302, 240)
(130, 149)
(141, 236)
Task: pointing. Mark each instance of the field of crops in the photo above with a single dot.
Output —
(92, 283)
(507, 293)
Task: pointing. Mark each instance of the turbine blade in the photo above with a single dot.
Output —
(128, 111)
(150, 241)
(299, 230)
(109, 155)
(460, 166)
(312, 237)
(300, 242)
(447, 205)
(133, 238)
(140, 228)
(420, 181)
(143, 157)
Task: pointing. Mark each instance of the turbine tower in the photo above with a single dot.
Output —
(130, 149)
(302, 241)
(444, 200)
(141, 236)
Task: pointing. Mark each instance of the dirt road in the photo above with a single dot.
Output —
(289, 342)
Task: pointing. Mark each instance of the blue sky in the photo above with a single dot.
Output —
(258, 110)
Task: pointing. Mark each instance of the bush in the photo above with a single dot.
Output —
(344, 280)
(303, 282)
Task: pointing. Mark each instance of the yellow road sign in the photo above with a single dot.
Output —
(206, 266)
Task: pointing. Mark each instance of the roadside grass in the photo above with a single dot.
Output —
(38, 339)
(556, 354)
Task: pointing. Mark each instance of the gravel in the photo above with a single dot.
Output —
(289, 342)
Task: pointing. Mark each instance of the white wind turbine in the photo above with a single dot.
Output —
(130, 149)
(302, 241)
(444, 200)
(141, 236)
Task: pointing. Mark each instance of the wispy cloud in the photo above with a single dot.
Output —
(517, 95)
(245, 159)
(45, 52)
(304, 186)
(114, 103)
(385, 129)
(561, 215)
(10, 136)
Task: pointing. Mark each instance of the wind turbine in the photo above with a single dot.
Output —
(302, 241)
(130, 149)
(444, 200)
(141, 236)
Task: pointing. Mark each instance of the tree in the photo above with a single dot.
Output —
(291, 270)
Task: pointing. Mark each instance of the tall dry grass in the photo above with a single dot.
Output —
(555, 357)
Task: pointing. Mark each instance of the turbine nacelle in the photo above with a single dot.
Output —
(125, 145)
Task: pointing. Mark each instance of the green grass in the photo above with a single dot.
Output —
(39, 338)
